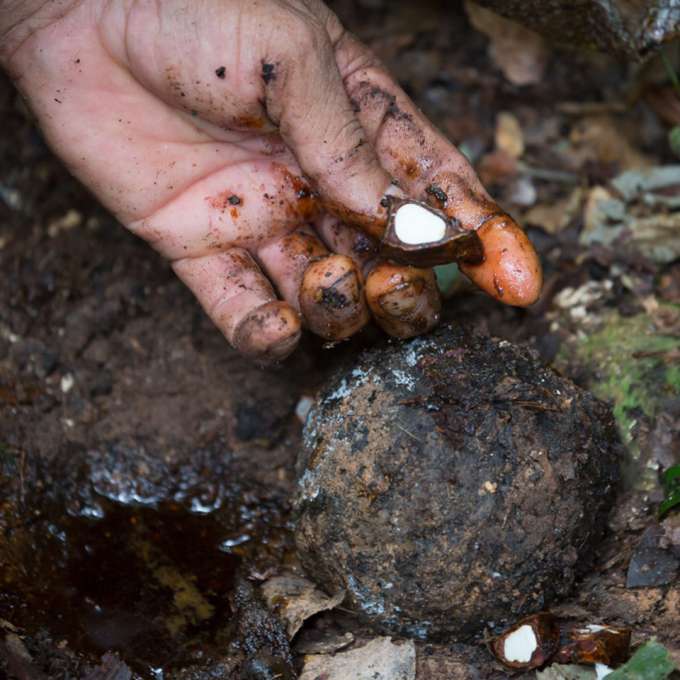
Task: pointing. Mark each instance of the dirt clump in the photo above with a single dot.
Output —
(452, 483)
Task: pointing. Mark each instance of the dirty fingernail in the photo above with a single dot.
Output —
(269, 333)
(332, 298)
(511, 271)
(403, 300)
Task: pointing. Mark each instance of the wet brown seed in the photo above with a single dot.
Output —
(332, 298)
(443, 238)
(404, 300)
(591, 644)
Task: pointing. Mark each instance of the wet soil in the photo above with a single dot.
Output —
(147, 469)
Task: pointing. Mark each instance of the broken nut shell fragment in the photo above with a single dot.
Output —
(422, 236)
(529, 644)
(593, 644)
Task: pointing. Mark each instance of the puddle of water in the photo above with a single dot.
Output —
(152, 582)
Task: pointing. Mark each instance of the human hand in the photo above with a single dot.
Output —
(253, 144)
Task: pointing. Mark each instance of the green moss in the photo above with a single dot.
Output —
(625, 359)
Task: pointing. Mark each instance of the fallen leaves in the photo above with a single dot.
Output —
(380, 659)
(508, 136)
(519, 53)
(295, 599)
(641, 212)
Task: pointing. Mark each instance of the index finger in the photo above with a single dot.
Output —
(428, 166)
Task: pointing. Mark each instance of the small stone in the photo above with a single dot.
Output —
(652, 566)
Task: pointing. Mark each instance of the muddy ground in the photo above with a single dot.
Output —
(146, 468)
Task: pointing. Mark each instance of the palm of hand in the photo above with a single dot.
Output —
(177, 131)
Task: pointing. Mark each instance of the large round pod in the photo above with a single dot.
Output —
(451, 483)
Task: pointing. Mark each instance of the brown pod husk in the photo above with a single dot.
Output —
(451, 483)
(546, 640)
(457, 245)
(593, 644)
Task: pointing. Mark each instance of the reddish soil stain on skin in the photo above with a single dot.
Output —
(373, 224)
(304, 205)
(225, 199)
(410, 168)
(247, 122)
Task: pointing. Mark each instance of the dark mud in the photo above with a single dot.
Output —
(134, 443)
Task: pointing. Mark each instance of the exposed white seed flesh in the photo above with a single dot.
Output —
(602, 671)
(596, 628)
(415, 225)
(520, 645)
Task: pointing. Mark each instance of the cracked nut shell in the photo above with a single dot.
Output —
(457, 244)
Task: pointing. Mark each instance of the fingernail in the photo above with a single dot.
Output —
(269, 333)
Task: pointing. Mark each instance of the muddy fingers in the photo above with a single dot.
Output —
(511, 271)
(327, 289)
(242, 303)
(404, 300)
(427, 166)
(268, 333)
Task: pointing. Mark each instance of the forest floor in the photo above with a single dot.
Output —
(145, 468)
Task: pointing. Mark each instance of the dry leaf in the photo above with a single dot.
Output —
(601, 210)
(553, 217)
(328, 644)
(496, 167)
(295, 599)
(601, 139)
(380, 659)
(519, 53)
(509, 136)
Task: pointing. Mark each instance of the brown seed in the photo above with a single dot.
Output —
(404, 300)
(592, 643)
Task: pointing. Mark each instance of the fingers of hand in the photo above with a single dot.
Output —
(511, 271)
(404, 300)
(242, 304)
(327, 289)
(430, 168)
(305, 95)
(332, 297)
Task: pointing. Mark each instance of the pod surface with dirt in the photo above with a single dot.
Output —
(451, 483)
